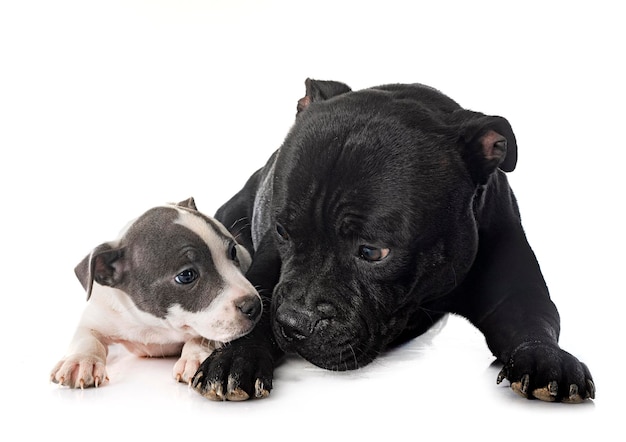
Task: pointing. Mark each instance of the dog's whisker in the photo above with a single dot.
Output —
(243, 218)
(356, 362)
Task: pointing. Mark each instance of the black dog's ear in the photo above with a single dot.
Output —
(103, 264)
(318, 90)
(488, 143)
(189, 203)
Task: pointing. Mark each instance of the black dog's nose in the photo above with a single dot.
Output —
(251, 307)
(295, 324)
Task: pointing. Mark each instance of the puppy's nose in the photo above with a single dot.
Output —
(250, 307)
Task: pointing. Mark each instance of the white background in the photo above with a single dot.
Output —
(108, 108)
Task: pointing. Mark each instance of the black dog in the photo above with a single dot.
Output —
(383, 210)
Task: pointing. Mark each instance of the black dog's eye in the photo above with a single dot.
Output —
(232, 252)
(282, 232)
(372, 254)
(186, 276)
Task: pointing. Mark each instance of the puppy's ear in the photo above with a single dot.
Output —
(189, 203)
(318, 90)
(103, 265)
(487, 143)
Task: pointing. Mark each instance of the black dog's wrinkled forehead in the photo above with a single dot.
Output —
(358, 156)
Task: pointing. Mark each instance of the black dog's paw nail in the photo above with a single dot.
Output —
(553, 388)
(548, 393)
(210, 390)
(502, 375)
(215, 392)
(591, 389)
(234, 392)
(573, 395)
(525, 382)
(260, 392)
(521, 387)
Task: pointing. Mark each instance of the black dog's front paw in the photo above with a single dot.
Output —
(235, 372)
(544, 371)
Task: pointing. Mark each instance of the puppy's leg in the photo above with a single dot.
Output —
(194, 352)
(84, 363)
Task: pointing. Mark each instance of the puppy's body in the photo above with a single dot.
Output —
(383, 210)
(172, 284)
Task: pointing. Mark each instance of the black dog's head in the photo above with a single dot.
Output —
(375, 213)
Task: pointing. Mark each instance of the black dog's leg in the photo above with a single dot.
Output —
(244, 368)
(507, 299)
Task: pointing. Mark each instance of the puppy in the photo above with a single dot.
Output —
(172, 284)
(384, 210)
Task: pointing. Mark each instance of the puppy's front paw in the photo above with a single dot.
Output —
(235, 372)
(80, 371)
(544, 371)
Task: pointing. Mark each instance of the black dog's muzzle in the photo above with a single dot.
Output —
(330, 335)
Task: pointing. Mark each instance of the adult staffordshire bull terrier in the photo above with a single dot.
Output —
(383, 210)
(171, 285)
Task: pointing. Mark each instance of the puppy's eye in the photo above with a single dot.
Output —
(282, 232)
(372, 254)
(186, 276)
(232, 252)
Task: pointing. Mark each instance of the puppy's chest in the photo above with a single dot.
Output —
(116, 316)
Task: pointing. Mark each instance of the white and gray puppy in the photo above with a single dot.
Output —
(172, 284)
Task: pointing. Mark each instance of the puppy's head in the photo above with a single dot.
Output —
(374, 201)
(182, 266)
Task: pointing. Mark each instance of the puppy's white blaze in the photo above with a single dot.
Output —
(222, 320)
(237, 284)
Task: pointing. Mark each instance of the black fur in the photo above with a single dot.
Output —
(402, 173)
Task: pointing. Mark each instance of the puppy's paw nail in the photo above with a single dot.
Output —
(82, 383)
